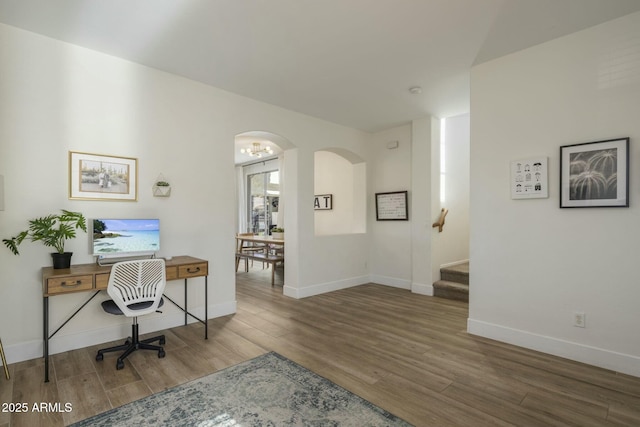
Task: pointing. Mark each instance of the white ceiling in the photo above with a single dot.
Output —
(346, 61)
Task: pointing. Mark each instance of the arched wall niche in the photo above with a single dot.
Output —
(341, 174)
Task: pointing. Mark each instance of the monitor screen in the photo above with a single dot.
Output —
(125, 237)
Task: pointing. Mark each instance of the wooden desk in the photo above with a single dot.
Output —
(93, 277)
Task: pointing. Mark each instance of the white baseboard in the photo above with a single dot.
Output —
(618, 362)
(390, 281)
(422, 289)
(60, 343)
(322, 288)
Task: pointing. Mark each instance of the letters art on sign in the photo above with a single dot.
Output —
(323, 202)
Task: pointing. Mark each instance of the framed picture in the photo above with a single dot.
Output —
(323, 202)
(101, 177)
(392, 206)
(595, 174)
(529, 178)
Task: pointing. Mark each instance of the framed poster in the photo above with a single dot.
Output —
(595, 174)
(392, 206)
(530, 178)
(100, 177)
(323, 202)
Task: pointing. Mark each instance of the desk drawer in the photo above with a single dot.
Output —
(193, 270)
(102, 281)
(60, 285)
(171, 273)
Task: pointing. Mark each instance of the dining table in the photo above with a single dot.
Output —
(266, 240)
(273, 253)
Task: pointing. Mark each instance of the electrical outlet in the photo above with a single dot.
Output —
(579, 319)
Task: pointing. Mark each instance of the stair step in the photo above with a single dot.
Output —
(451, 290)
(456, 273)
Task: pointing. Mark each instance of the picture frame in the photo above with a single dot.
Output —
(595, 174)
(530, 178)
(323, 202)
(102, 177)
(392, 206)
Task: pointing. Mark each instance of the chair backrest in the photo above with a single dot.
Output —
(139, 281)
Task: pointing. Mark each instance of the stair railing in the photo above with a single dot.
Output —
(440, 222)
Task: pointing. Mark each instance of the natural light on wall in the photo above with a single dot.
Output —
(341, 174)
(443, 161)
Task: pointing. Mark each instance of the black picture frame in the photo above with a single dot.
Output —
(595, 174)
(323, 202)
(392, 206)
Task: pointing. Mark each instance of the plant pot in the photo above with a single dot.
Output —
(61, 260)
(161, 191)
(276, 235)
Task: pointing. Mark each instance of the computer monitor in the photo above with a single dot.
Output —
(125, 237)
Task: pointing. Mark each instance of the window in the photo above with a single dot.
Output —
(263, 190)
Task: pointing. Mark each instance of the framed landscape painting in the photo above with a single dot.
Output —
(595, 174)
(100, 177)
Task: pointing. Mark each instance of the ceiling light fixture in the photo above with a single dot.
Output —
(415, 90)
(257, 150)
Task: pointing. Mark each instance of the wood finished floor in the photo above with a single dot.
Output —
(407, 353)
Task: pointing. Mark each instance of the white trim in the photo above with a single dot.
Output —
(390, 281)
(454, 263)
(619, 362)
(322, 288)
(422, 289)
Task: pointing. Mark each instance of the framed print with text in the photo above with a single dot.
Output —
(392, 206)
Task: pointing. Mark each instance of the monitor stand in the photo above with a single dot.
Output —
(107, 260)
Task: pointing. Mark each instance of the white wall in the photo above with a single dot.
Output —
(400, 251)
(451, 246)
(345, 181)
(56, 97)
(390, 241)
(534, 264)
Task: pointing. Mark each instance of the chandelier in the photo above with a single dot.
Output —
(257, 150)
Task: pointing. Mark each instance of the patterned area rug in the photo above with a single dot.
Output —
(269, 390)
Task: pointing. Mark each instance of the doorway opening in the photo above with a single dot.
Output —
(263, 191)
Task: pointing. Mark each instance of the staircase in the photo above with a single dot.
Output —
(454, 283)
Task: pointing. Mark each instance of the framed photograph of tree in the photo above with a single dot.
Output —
(595, 174)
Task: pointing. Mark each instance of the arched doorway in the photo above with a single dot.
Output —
(260, 159)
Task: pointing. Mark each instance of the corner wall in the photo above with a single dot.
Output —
(534, 264)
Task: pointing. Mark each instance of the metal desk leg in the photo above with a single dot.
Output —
(185, 301)
(45, 334)
(206, 311)
(4, 362)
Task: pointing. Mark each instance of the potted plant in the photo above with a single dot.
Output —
(161, 189)
(277, 233)
(51, 230)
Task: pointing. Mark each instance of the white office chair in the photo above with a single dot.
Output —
(136, 289)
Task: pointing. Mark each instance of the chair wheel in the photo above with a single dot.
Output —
(161, 354)
(162, 341)
(119, 365)
(99, 357)
(127, 342)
